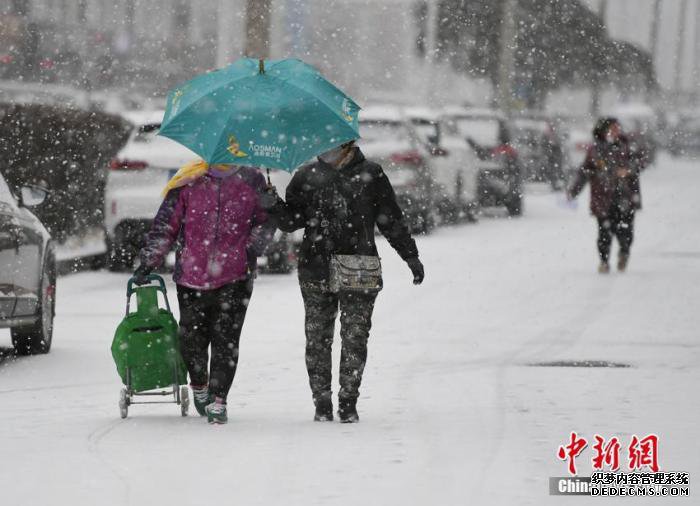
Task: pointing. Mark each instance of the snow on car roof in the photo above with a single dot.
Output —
(381, 113)
(462, 111)
(633, 109)
(139, 118)
(421, 112)
(540, 125)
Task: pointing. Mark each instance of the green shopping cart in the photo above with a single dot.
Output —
(146, 350)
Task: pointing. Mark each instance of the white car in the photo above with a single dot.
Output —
(387, 139)
(454, 164)
(135, 181)
(500, 173)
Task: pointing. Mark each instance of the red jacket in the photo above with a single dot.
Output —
(613, 172)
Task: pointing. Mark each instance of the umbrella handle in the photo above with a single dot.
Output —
(261, 66)
(269, 183)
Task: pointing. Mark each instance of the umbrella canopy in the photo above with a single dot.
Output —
(272, 114)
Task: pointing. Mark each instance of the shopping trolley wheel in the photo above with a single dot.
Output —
(184, 400)
(123, 403)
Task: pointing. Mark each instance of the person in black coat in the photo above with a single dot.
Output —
(338, 200)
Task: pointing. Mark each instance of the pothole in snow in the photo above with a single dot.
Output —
(579, 363)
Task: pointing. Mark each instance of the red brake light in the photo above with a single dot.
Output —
(116, 164)
(6, 58)
(504, 150)
(407, 157)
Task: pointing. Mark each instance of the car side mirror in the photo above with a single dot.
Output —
(32, 196)
(438, 151)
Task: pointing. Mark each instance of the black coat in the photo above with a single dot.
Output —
(338, 208)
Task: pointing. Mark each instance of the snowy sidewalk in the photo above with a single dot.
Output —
(452, 410)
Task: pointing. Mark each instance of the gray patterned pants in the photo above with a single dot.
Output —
(355, 322)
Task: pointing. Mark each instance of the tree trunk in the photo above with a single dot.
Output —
(258, 28)
(506, 64)
(595, 89)
(680, 46)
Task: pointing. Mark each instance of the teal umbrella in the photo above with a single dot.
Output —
(270, 114)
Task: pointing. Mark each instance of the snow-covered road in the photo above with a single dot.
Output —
(453, 410)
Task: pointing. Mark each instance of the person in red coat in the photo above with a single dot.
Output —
(612, 170)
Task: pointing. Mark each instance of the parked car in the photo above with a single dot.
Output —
(577, 142)
(27, 271)
(539, 149)
(387, 139)
(454, 165)
(685, 140)
(135, 180)
(500, 174)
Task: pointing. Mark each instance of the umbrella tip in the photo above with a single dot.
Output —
(261, 65)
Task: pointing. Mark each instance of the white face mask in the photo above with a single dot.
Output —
(333, 156)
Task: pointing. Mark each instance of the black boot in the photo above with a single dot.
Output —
(347, 411)
(324, 409)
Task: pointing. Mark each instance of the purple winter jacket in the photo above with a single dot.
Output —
(219, 225)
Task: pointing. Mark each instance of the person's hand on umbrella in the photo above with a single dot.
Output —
(141, 275)
(417, 269)
(269, 198)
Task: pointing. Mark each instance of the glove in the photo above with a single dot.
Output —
(141, 275)
(269, 198)
(417, 269)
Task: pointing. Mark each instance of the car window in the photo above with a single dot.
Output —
(485, 131)
(425, 129)
(146, 133)
(377, 130)
(5, 193)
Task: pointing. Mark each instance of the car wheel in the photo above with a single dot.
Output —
(37, 338)
(515, 206)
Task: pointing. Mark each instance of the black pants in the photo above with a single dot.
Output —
(355, 322)
(620, 224)
(212, 317)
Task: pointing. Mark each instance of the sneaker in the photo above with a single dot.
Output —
(604, 268)
(216, 411)
(347, 411)
(200, 395)
(324, 410)
(622, 260)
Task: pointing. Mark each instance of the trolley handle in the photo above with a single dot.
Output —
(151, 277)
(130, 290)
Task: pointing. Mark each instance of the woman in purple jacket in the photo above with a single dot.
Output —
(219, 226)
